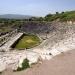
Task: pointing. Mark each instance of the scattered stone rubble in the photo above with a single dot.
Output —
(55, 44)
(14, 59)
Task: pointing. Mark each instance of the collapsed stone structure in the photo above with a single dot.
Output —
(59, 39)
(6, 37)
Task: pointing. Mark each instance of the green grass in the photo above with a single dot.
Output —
(27, 41)
(64, 16)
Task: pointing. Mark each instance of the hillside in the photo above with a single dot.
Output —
(63, 16)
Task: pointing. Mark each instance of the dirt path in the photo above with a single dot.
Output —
(63, 64)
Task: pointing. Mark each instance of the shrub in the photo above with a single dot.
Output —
(25, 65)
(0, 72)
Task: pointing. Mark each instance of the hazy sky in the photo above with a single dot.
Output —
(35, 7)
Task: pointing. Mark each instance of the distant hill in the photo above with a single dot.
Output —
(63, 16)
(15, 16)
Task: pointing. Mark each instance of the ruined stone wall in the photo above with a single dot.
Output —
(5, 38)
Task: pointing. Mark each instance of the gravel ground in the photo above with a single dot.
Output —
(63, 64)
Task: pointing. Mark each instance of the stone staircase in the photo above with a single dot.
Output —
(57, 43)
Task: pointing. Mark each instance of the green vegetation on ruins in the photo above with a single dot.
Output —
(27, 41)
(25, 65)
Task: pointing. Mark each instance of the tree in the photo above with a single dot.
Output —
(49, 17)
(57, 13)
